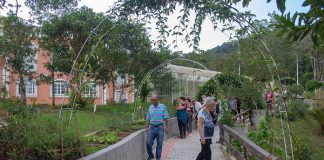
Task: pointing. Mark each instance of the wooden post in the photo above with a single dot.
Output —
(244, 150)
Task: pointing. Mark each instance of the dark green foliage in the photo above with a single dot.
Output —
(305, 153)
(224, 49)
(306, 77)
(319, 116)
(313, 84)
(229, 86)
(298, 25)
(297, 109)
(210, 88)
(44, 9)
(17, 47)
(294, 91)
(29, 136)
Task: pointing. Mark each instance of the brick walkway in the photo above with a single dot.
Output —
(189, 148)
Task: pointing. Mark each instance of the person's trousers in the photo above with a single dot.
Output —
(205, 153)
(189, 124)
(182, 128)
(155, 132)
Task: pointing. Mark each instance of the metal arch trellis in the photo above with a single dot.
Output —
(137, 107)
(170, 61)
(71, 109)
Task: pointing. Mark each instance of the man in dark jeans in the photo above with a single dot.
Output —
(156, 116)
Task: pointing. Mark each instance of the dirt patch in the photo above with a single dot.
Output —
(122, 135)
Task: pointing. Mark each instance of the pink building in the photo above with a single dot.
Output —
(42, 93)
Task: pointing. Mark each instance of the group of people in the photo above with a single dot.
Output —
(187, 111)
(205, 113)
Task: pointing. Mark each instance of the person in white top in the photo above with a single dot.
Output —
(205, 127)
(197, 105)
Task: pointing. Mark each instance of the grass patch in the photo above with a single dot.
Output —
(109, 124)
(307, 132)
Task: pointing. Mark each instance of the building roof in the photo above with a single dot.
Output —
(192, 71)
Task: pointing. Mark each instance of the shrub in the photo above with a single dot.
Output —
(227, 85)
(31, 136)
(319, 116)
(107, 138)
(295, 91)
(313, 84)
(226, 114)
(76, 100)
(263, 135)
(297, 108)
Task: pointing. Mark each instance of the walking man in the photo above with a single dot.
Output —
(156, 117)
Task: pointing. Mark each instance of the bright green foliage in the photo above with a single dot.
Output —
(263, 135)
(226, 114)
(106, 138)
(312, 85)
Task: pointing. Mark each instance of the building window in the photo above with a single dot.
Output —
(60, 88)
(90, 89)
(121, 96)
(31, 60)
(121, 79)
(31, 88)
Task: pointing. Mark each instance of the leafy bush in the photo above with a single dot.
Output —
(319, 116)
(226, 117)
(295, 91)
(107, 138)
(251, 95)
(313, 84)
(297, 108)
(31, 136)
(210, 88)
(305, 153)
(263, 135)
(227, 85)
(76, 100)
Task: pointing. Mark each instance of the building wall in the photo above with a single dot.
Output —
(44, 93)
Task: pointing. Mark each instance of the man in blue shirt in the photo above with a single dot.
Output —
(156, 117)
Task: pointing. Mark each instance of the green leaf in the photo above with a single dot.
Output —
(281, 5)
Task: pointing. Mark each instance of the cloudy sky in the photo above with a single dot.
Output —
(209, 37)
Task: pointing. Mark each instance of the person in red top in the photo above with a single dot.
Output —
(268, 98)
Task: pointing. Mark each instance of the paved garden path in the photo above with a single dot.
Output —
(188, 149)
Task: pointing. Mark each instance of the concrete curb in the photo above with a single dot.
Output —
(132, 147)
